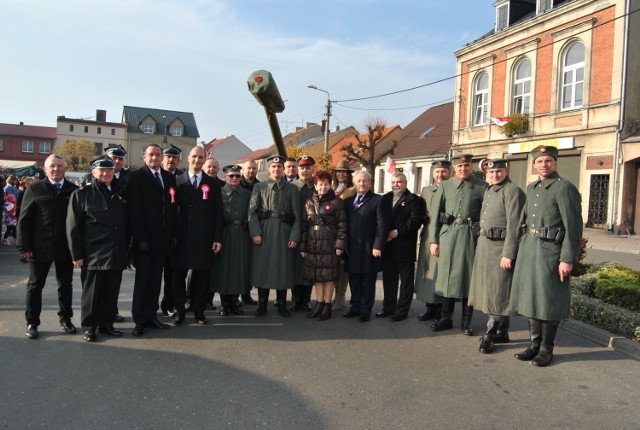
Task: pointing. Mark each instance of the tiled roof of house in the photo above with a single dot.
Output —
(133, 116)
(35, 131)
(214, 143)
(258, 154)
(427, 135)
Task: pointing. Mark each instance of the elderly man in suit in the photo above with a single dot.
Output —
(368, 220)
(42, 240)
(398, 261)
(153, 211)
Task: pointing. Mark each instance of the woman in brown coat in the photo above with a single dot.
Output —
(324, 239)
(343, 186)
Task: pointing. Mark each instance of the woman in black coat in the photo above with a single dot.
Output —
(324, 239)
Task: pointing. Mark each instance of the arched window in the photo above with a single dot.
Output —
(573, 76)
(481, 99)
(521, 87)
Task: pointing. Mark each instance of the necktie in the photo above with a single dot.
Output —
(58, 185)
(395, 201)
(357, 201)
(195, 182)
(157, 175)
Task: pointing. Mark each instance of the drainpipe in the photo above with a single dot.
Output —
(613, 213)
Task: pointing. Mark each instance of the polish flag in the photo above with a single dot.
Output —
(390, 165)
(500, 121)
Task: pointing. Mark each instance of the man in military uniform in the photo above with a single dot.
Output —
(548, 250)
(199, 236)
(171, 156)
(291, 169)
(456, 206)
(301, 293)
(275, 225)
(425, 273)
(500, 220)
(98, 237)
(42, 240)
(398, 261)
(232, 279)
(249, 173)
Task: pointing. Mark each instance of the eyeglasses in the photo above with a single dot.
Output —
(233, 176)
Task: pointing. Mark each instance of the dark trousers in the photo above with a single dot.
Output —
(199, 288)
(38, 272)
(167, 303)
(391, 271)
(99, 300)
(11, 231)
(146, 288)
(363, 291)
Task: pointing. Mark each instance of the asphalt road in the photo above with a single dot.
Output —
(243, 372)
(597, 256)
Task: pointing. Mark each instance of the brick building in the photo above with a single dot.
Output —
(20, 142)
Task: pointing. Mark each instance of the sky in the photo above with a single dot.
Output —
(72, 57)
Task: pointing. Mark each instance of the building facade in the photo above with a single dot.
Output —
(557, 69)
(20, 142)
(98, 132)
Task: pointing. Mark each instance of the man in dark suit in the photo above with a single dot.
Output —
(151, 193)
(407, 212)
(211, 167)
(42, 240)
(368, 231)
(200, 236)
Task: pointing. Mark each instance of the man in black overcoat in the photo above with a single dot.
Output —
(153, 211)
(368, 230)
(199, 236)
(42, 239)
(398, 261)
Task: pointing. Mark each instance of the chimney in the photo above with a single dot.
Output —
(336, 128)
(311, 124)
(21, 123)
(101, 115)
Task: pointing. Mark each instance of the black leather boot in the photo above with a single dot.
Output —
(445, 323)
(486, 343)
(316, 310)
(535, 331)
(502, 335)
(326, 312)
(281, 298)
(224, 305)
(433, 312)
(467, 313)
(234, 306)
(549, 331)
(263, 298)
(296, 298)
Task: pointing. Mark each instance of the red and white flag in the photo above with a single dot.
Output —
(390, 165)
(500, 121)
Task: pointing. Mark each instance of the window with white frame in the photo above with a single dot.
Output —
(176, 131)
(147, 128)
(521, 87)
(502, 17)
(544, 5)
(481, 99)
(45, 148)
(572, 76)
(27, 146)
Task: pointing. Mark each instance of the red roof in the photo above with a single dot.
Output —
(427, 135)
(257, 154)
(36, 131)
(215, 142)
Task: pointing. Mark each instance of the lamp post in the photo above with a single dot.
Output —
(326, 127)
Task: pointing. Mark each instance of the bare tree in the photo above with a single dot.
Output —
(77, 153)
(365, 151)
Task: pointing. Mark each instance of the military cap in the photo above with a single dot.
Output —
(497, 163)
(276, 159)
(462, 158)
(306, 160)
(445, 164)
(172, 151)
(232, 168)
(541, 150)
(103, 163)
(116, 151)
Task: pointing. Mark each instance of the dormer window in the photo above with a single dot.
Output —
(544, 5)
(502, 16)
(147, 128)
(176, 131)
(429, 130)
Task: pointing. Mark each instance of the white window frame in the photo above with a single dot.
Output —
(504, 7)
(147, 128)
(176, 131)
(480, 100)
(573, 83)
(522, 98)
(29, 144)
(540, 8)
(44, 148)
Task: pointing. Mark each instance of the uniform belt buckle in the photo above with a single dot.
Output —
(316, 227)
(483, 232)
(532, 232)
(458, 221)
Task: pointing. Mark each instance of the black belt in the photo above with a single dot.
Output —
(547, 234)
(494, 233)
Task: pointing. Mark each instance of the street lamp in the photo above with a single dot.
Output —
(326, 127)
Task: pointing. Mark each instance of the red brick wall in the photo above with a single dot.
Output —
(12, 149)
(602, 57)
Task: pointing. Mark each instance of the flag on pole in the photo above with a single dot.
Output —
(390, 165)
(500, 121)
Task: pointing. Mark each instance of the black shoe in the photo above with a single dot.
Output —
(306, 307)
(486, 344)
(201, 319)
(236, 310)
(528, 354)
(283, 311)
(261, 311)
(442, 324)
(118, 318)
(501, 337)
(466, 329)
(138, 330)
(351, 313)
(295, 306)
(68, 327)
(90, 335)
(178, 318)
(430, 314)
(326, 312)
(32, 331)
(383, 314)
(247, 300)
(110, 330)
(364, 317)
(157, 324)
(396, 318)
(543, 359)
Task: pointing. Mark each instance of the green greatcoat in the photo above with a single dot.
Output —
(426, 271)
(306, 192)
(537, 291)
(462, 199)
(273, 262)
(502, 206)
(231, 273)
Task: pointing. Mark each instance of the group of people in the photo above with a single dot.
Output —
(486, 245)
